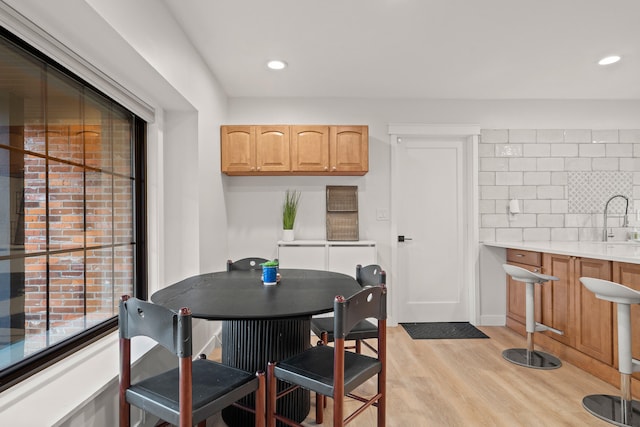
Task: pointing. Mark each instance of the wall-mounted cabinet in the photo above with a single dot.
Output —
(294, 150)
(255, 149)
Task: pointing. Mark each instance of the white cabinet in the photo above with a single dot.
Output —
(310, 256)
(341, 257)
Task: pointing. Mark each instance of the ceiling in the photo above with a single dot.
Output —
(435, 49)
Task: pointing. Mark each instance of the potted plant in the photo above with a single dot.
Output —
(289, 211)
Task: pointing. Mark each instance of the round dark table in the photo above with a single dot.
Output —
(260, 323)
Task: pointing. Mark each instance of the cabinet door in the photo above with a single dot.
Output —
(272, 149)
(516, 296)
(628, 275)
(238, 149)
(349, 149)
(312, 257)
(310, 148)
(516, 291)
(557, 297)
(343, 259)
(594, 317)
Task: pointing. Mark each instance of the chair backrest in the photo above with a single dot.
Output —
(245, 264)
(171, 330)
(168, 328)
(370, 275)
(370, 302)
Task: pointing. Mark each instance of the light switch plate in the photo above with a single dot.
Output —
(382, 214)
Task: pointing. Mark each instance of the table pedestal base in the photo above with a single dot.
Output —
(250, 345)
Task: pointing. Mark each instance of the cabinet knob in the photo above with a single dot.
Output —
(258, 167)
(334, 168)
(326, 168)
(253, 168)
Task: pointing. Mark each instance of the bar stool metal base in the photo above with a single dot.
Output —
(531, 359)
(607, 408)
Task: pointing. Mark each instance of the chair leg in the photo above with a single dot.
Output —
(338, 411)
(125, 416)
(261, 400)
(320, 402)
(358, 346)
(382, 402)
(272, 390)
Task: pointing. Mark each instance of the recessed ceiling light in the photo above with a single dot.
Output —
(276, 65)
(609, 60)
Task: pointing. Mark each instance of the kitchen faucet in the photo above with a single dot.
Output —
(605, 235)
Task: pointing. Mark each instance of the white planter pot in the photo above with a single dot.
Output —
(287, 235)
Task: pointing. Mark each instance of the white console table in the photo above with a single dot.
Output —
(339, 256)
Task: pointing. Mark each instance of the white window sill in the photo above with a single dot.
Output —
(52, 395)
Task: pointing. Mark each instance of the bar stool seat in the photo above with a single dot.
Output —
(529, 357)
(619, 410)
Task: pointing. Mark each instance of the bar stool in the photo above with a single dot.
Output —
(529, 357)
(619, 410)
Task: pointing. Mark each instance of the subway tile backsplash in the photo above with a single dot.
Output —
(562, 179)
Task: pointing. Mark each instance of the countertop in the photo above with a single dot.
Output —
(327, 243)
(623, 251)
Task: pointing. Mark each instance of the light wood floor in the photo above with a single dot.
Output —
(468, 383)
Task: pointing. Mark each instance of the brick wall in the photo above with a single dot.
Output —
(77, 196)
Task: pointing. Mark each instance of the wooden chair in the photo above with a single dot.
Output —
(322, 327)
(245, 264)
(333, 371)
(193, 391)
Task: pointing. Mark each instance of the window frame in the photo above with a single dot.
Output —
(39, 361)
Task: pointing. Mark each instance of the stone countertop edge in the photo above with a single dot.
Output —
(622, 251)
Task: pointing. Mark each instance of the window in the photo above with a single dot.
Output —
(71, 211)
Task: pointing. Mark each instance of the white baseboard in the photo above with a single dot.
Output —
(493, 320)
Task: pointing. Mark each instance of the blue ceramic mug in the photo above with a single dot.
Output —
(269, 275)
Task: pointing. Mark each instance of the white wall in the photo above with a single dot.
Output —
(562, 179)
(139, 45)
(253, 203)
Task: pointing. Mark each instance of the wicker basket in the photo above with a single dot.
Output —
(342, 212)
(342, 198)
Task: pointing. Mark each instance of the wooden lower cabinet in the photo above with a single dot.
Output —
(566, 305)
(590, 341)
(629, 275)
(594, 317)
(516, 291)
(558, 309)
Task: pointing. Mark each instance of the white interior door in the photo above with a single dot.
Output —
(431, 281)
